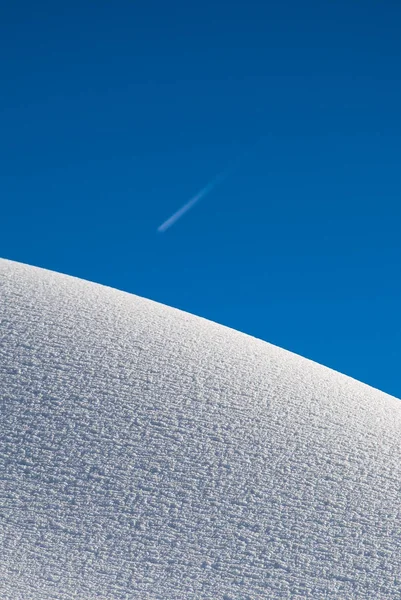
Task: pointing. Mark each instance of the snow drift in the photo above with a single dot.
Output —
(150, 454)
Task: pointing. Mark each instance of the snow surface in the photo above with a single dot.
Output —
(149, 454)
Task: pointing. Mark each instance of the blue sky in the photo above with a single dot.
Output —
(113, 115)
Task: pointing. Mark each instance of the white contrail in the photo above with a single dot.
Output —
(204, 191)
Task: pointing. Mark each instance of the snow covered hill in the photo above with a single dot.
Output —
(149, 454)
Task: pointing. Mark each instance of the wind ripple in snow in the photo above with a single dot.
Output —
(150, 454)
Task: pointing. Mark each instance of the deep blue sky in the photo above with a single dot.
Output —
(113, 114)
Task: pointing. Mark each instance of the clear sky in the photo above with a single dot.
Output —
(113, 115)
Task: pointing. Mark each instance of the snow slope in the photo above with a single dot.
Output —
(149, 454)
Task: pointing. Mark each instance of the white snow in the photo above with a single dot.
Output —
(149, 454)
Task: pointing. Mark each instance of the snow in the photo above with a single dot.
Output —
(150, 454)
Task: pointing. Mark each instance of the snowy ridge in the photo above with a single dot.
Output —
(149, 454)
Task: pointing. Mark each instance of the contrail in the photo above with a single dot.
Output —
(204, 191)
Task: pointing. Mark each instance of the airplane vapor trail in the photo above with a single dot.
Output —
(203, 192)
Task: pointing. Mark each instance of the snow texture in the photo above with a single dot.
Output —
(150, 454)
